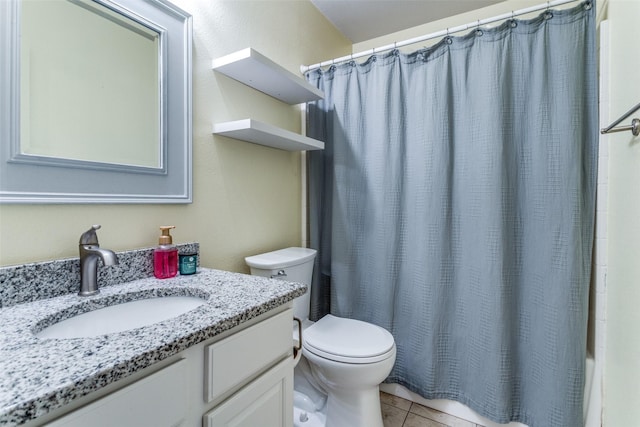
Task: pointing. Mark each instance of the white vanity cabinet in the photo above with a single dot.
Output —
(140, 403)
(267, 398)
(244, 377)
(267, 401)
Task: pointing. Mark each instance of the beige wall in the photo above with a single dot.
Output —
(622, 369)
(246, 197)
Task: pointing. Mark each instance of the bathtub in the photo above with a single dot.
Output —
(591, 410)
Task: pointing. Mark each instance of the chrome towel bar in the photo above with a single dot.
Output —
(634, 127)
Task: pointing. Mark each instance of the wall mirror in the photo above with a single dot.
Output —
(96, 102)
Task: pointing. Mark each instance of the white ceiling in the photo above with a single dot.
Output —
(361, 20)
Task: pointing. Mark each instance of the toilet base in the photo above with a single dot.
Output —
(342, 409)
(302, 418)
(348, 409)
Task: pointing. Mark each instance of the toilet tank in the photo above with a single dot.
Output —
(291, 264)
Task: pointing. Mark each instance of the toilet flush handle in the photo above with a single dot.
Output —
(297, 348)
(279, 274)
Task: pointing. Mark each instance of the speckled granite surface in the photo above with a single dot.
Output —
(31, 282)
(39, 375)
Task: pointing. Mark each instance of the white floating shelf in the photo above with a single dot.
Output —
(264, 134)
(256, 70)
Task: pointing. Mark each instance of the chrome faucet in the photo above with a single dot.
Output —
(90, 251)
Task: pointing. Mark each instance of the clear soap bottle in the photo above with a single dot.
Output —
(165, 256)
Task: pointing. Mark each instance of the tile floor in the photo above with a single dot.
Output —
(399, 412)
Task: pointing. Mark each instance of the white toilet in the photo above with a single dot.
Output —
(345, 360)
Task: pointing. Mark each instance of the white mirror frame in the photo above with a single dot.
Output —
(41, 180)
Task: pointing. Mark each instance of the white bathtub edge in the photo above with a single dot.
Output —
(592, 401)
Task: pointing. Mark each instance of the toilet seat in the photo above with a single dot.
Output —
(348, 340)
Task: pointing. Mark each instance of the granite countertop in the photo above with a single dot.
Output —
(39, 375)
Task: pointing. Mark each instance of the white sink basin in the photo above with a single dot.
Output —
(121, 317)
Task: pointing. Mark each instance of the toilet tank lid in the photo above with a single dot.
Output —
(281, 258)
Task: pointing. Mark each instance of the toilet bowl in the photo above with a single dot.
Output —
(343, 360)
(350, 358)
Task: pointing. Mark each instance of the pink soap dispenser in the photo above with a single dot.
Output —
(165, 256)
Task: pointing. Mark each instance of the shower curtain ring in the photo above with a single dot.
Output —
(548, 14)
(513, 23)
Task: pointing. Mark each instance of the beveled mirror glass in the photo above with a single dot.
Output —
(61, 110)
(98, 97)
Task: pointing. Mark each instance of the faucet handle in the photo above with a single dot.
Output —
(90, 237)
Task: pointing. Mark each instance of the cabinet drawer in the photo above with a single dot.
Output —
(236, 360)
(157, 400)
(267, 401)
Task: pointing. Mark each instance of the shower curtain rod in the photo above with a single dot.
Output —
(442, 33)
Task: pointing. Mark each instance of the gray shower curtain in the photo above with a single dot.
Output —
(454, 206)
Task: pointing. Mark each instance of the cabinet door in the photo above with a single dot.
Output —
(159, 400)
(238, 359)
(265, 402)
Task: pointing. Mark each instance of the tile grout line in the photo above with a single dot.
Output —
(404, 420)
(396, 402)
